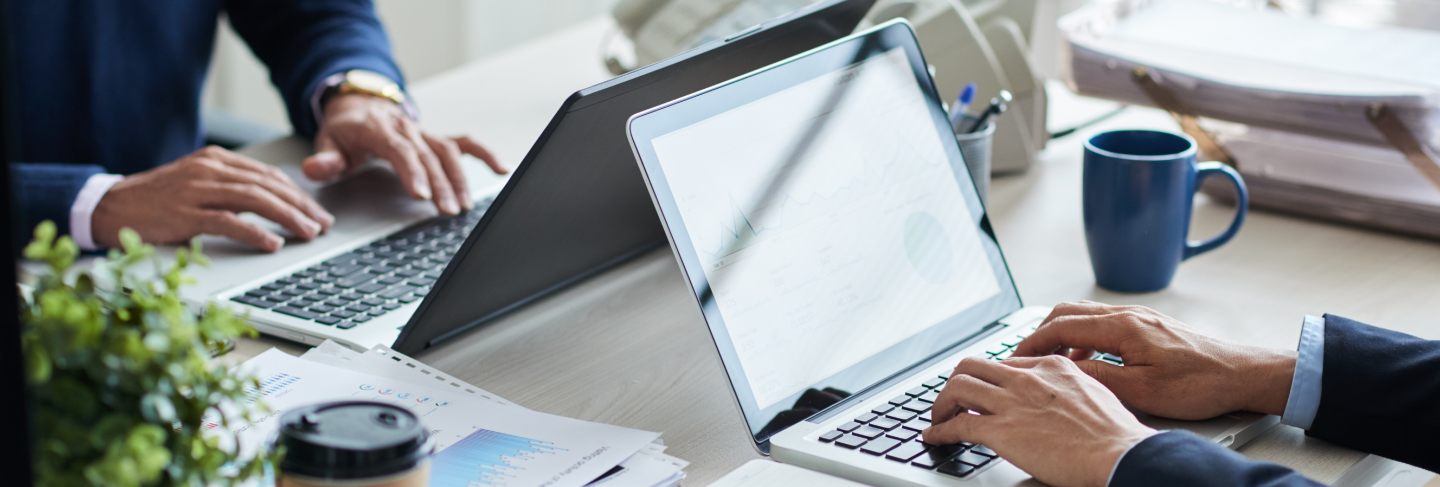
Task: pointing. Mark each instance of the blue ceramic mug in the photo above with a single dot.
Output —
(1139, 188)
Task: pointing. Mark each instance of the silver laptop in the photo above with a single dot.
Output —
(358, 284)
(822, 214)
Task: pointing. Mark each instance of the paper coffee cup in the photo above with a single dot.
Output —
(353, 444)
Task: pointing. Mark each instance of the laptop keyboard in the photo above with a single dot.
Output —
(892, 430)
(358, 286)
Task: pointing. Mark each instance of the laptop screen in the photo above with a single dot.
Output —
(827, 223)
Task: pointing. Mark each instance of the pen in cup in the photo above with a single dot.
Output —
(962, 105)
(997, 106)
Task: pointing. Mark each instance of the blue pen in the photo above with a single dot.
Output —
(962, 104)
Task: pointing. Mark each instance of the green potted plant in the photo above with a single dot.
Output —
(123, 388)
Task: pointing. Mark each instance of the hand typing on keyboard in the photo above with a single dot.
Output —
(1169, 370)
(1043, 414)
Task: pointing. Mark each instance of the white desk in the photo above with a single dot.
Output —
(629, 347)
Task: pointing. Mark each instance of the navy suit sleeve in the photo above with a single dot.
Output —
(1380, 393)
(304, 41)
(1181, 459)
(46, 192)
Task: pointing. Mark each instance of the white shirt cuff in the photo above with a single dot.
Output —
(1304, 400)
(84, 208)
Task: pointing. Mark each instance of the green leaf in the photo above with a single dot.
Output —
(122, 380)
(37, 363)
(39, 248)
(130, 241)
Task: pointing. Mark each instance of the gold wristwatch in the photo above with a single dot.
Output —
(363, 82)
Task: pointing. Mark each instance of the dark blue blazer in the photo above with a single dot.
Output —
(1379, 393)
(114, 86)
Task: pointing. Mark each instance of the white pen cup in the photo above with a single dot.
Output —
(976, 147)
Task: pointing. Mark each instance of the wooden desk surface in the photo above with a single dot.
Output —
(630, 348)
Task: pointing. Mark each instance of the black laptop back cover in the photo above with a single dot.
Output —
(576, 205)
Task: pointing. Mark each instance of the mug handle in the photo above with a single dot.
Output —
(1242, 203)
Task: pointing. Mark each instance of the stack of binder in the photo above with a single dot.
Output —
(1322, 120)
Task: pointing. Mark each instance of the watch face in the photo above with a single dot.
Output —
(372, 82)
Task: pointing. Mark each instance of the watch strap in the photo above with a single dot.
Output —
(331, 85)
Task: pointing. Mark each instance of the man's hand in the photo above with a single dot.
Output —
(356, 127)
(1169, 370)
(203, 193)
(1042, 414)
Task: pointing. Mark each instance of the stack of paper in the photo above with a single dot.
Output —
(1259, 67)
(1304, 89)
(480, 438)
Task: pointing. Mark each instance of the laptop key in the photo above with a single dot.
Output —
(985, 450)
(346, 325)
(353, 281)
(924, 461)
(868, 432)
(296, 312)
(882, 409)
(916, 424)
(886, 424)
(958, 469)
(917, 407)
(902, 434)
(848, 427)
(258, 303)
(929, 396)
(902, 415)
(925, 415)
(361, 318)
(850, 441)
(831, 436)
(327, 320)
(900, 400)
(933, 383)
(370, 288)
(345, 269)
(917, 391)
(412, 297)
(973, 458)
(866, 418)
(396, 292)
(880, 446)
(906, 451)
(942, 453)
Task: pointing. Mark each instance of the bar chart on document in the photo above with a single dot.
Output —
(835, 230)
(488, 458)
